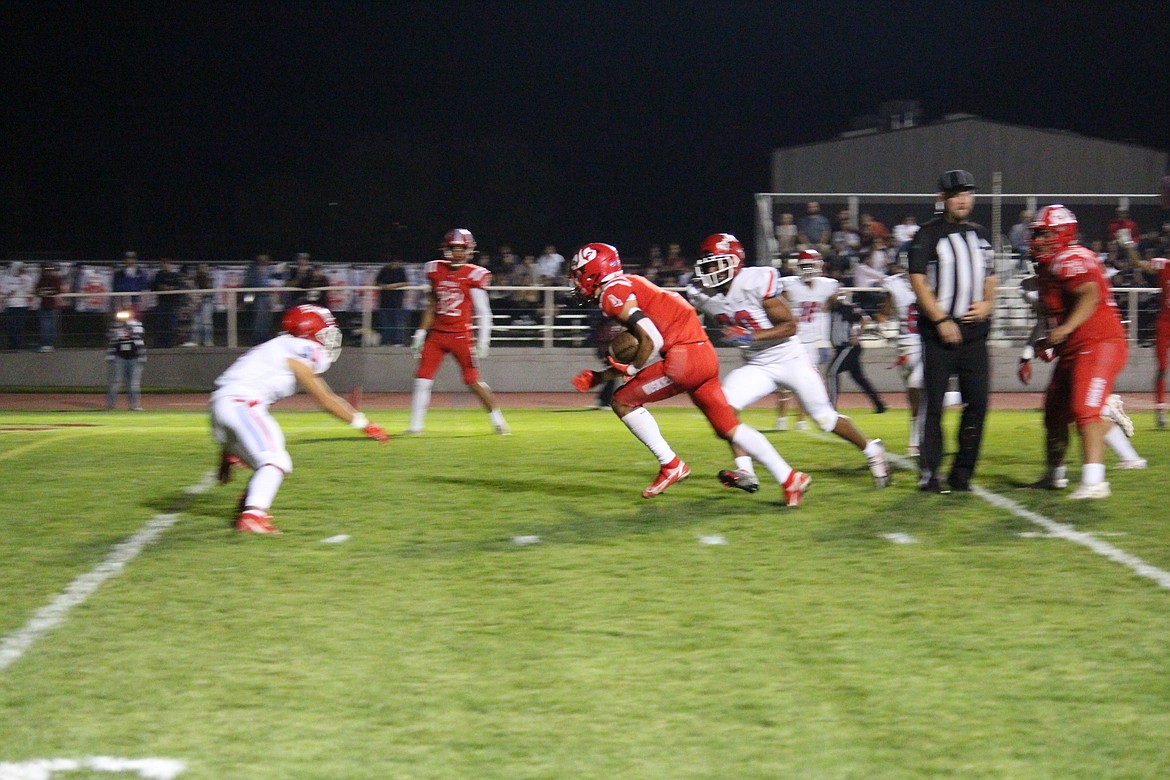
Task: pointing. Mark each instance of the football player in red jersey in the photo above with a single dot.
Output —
(1161, 267)
(1085, 331)
(458, 291)
(665, 324)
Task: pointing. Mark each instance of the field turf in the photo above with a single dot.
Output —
(464, 605)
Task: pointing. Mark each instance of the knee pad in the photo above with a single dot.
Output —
(281, 460)
(827, 420)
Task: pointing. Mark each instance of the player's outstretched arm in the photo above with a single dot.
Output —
(331, 402)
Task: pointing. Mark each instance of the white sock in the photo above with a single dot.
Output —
(1092, 473)
(497, 417)
(1060, 472)
(757, 445)
(263, 486)
(419, 402)
(1119, 443)
(643, 425)
(872, 447)
(744, 463)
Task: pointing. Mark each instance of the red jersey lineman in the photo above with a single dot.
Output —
(665, 324)
(1084, 328)
(458, 292)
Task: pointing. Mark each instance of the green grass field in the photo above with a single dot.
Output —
(621, 644)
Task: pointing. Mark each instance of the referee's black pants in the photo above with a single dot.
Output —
(847, 360)
(970, 363)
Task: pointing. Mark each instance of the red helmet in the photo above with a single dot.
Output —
(720, 258)
(307, 321)
(593, 266)
(458, 246)
(1054, 228)
(809, 263)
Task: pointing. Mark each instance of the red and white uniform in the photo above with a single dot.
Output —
(240, 420)
(451, 330)
(689, 363)
(768, 365)
(810, 305)
(905, 306)
(1162, 323)
(1095, 353)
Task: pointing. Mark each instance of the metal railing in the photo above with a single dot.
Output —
(554, 322)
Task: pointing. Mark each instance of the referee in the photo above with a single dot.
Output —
(953, 278)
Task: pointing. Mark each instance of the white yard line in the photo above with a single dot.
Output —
(48, 617)
(1051, 527)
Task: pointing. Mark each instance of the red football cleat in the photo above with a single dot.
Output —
(675, 471)
(256, 521)
(795, 487)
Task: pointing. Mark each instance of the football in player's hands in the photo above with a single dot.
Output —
(624, 347)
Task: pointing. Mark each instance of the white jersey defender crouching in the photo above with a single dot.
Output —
(268, 372)
(747, 303)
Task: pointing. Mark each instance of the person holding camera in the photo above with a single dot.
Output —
(125, 356)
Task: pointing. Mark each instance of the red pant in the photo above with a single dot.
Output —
(1081, 382)
(437, 345)
(687, 368)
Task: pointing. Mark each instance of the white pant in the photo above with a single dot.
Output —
(245, 428)
(793, 369)
(910, 348)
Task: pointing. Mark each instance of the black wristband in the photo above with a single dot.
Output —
(944, 319)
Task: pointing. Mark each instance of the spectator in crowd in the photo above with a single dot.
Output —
(125, 356)
(203, 308)
(869, 274)
(17, 289)
(130, 278)
(871, 230)
(786, 235)
(1122, 228)
(549, 266)
(904, 233)
(1159, 268)
(1018, 238)
(49, 287)
(813, 229)
(306, 277)
(391, 279)
(259, 305)
(166, 281)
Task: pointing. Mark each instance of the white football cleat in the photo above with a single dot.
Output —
(1100, 490)
(1114, 410)
(1160, 418)
(1137, 463)
(878, 466)
(503, 430)
(781, 424)
(802, 425)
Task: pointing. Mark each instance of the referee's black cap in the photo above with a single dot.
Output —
(956, 181)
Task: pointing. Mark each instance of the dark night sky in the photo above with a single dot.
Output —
(219, 129)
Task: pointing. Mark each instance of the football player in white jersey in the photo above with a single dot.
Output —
(809, 295)
(748, 304)
(901, 306)
(268, 372)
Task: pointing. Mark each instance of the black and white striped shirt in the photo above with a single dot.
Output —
(956, 259)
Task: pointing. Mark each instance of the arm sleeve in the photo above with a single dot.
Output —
(483, 314)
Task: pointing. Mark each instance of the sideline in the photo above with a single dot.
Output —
(1056, 529)
(16, 644)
